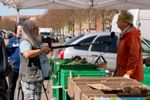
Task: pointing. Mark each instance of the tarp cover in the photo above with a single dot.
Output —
(73, 4)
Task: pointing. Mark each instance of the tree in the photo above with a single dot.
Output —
(58, 18)
(7, 24)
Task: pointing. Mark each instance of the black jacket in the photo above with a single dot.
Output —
(3, 56)
(3, 64)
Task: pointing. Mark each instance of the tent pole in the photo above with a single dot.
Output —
(90, 19)
(18, 15)
(90, 14)
(138, 21)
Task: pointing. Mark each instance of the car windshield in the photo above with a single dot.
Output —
(146, 45)
(148, 41)
(73, 39)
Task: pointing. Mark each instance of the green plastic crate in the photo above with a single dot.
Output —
(59, 95)
(146, 71)
(65, 95)
(55, 79)
(55, 82)
(56, 62)
(63, 61)
(79, 73)
(146, 80)
(58, 67)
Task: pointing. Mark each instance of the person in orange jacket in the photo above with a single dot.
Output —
(129, 52)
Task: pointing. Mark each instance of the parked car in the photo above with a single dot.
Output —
(44, 39)
(93, 51)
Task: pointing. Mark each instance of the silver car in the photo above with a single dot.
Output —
(106, 47)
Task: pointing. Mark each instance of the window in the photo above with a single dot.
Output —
(86, 40)
(145, 47)
(73, 39)
(109, 45)
(45, 34)
(148, 41)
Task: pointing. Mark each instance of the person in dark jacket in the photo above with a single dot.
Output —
(14, 60)
(3, 64)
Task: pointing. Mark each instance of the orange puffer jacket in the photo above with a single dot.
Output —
(129, 55)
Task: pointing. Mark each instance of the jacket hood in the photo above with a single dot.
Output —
(136, 31)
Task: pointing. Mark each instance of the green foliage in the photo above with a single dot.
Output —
(147, 98)
(58, 18)
(7, 24)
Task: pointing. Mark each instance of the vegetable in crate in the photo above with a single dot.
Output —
(76, 61)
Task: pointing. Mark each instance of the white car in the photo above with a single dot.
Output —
(93, 51)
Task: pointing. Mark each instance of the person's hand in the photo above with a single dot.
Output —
(7, 42)
(46, 45)
(126, 76)
(45, 49)
(51, 49)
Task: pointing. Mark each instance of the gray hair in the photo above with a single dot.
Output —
(27, 26)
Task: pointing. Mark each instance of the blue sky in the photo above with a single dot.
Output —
(6, 11)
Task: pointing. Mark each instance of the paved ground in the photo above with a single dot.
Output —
(47, 85)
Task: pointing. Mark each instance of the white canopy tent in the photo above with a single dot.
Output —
(38, 4)
(71, 4)
(75, 4)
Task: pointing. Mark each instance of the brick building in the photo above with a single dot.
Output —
(14, 17)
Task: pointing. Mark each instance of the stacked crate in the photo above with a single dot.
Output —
(61, 71)
(146, 80)
(119, 89)
(55, 77)
(79, 73)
